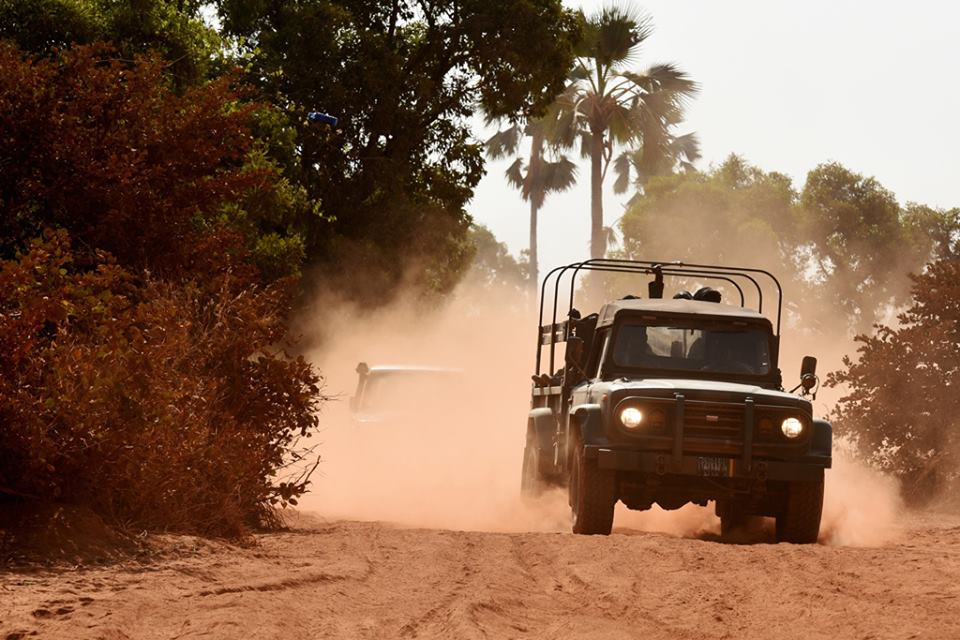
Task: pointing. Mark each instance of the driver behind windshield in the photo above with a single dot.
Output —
(731, 352)
(633, 347)
(692, 349)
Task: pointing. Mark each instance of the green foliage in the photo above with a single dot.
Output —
(172, 28)
(492, 265)
(404, 79)
(159, 405)
(273, 214)
(854, 226)
(726, 205)
(734, 214)
(843, 243)
(902, 407)
(864, 243)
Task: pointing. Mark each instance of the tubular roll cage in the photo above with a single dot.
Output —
(555, 332)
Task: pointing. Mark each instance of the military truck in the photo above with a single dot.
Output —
(674, 401)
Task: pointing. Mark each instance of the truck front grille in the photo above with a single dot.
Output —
(714, 421)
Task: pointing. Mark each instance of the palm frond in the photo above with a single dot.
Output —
(665, 77)
(559, 175)
(580, 72)
(623, 123)
(551, 177)
(686, 148)
(562, 124)
(515, 175)
(618, 31)
(610, 238)
(503, 143)
(621, 167)
(586, 142)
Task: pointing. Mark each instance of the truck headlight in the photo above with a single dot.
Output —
(792, 428)
(631, 417)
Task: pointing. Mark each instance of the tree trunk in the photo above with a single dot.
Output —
(535, 181)
(534, 274)
(598, 244)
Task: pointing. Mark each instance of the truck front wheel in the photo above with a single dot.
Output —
(592, 495)
(734, 517)
(799, 522)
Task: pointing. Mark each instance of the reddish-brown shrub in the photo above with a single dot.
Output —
(163, 405)
(106, 149)
(902, 408)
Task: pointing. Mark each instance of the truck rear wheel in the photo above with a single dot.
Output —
(592, 496)
(532, 484)
(799, 522)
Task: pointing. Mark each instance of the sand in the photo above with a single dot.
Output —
(344, 579)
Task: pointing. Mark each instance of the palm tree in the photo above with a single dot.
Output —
(666, 155)
(536, 177)
(605, 105)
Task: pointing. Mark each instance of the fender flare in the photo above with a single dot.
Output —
(821, 443)
(542, 428)
(587, 421)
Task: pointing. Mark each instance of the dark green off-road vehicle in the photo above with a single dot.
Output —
(671, 401)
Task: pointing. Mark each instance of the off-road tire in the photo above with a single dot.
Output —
(532, 483)
(733, 517)
(799, 522)
(592, 495)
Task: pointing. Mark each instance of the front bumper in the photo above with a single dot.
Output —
(808, 469)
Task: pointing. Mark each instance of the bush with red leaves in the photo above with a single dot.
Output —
(106, 149)
(142, 370)
(903, 406)
(156, 404)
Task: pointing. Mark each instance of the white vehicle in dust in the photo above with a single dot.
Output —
(394, 393)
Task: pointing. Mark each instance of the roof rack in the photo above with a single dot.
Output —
(559, 332)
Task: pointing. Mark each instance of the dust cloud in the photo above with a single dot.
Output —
(453, 459)
(861, 506)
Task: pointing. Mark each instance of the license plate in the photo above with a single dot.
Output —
(714, 467)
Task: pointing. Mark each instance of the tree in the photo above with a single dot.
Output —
(144, 293)
(493, 266)
(863, 243)
(173, 29)
(404, 79)
(606, 105)
(902, 406)
(105, 148)
(535, 178)
(166, 405)
(676, 154)
(739, 214)
(734, 214)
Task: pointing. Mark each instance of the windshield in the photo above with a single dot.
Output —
(717, 349)
(404, 390)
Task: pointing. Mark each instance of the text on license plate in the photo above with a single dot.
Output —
(714, 467)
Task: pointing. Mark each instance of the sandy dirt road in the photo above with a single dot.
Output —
(373, 580)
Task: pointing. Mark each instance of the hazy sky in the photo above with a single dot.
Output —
(787, 85)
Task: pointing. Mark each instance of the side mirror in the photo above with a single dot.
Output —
(808, 372)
